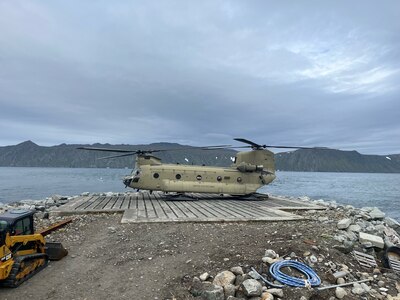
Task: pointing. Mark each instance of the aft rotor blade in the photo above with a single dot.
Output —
(295, 147)
(105, 149)
(248, 142)
(115, 156)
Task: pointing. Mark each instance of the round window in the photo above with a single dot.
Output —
(156, 175)
(239, 179)
(178, 176)
(198, 177)
(219, 178)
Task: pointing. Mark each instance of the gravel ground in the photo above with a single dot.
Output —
(158, 261)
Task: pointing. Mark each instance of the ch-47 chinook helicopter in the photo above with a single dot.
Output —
(250, 171)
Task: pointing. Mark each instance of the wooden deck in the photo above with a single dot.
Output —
(144, 207)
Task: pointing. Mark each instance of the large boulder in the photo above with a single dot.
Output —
(224, 278)
(206, 290)
(251, 287)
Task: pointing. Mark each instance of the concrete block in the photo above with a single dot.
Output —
(375, 240)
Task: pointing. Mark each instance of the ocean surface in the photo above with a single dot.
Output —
(358, 189)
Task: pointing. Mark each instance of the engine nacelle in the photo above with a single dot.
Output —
(246, 167)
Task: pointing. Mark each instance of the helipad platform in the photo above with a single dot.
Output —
(143, 207)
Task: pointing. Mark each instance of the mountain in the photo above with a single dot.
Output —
(29, 154)
(329, 160)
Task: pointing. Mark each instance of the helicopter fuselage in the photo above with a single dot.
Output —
(250, 171)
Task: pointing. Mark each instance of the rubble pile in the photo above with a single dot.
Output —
(366, 230)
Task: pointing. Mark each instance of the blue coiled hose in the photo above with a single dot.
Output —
(312, 277)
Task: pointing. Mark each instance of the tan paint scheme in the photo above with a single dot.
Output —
(251, 170)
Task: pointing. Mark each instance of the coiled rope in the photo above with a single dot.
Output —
(312, 277)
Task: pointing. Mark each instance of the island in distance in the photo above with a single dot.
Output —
(29, 154)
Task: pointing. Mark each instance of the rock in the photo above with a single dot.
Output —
(323, 219)
(340, 293)
(340, 281)
(268, 260)
(239, 279)
(376, 241)
(270, 253)
(376, 214)
(366, 287)
(204, 276)
(354, 228)
(392, 223)
(84, 194)
(112, 229)
(313, 259)
(251, 287)
(229, 290)
(237, 270)
(254, 275)
(234, 298)
(344, 223)
(267, 296)
(381, 283)
(276, 292)
(357, 289)
(206, 290)
(224, 278)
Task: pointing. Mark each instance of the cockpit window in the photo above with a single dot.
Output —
(3, 225)
(3, 229)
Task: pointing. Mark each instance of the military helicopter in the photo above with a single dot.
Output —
(250, 171)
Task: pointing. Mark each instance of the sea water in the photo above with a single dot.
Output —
(357, 189)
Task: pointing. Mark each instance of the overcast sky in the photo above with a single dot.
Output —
(308, 73)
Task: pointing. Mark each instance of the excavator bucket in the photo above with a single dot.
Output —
(55, 251)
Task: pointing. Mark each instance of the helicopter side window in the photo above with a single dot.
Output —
(198, 177)
(178, 176)
(219, 178)
(239, 179)
(156, 175)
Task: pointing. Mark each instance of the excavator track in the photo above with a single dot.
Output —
(24, 268)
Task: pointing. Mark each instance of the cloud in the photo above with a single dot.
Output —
(200, 73)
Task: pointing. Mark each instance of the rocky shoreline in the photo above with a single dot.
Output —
(326, 243)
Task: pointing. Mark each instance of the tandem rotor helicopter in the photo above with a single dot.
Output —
(250, 171)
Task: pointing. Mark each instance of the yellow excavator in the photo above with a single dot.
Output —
(23, 252)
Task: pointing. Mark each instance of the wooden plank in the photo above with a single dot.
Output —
(96, 202)
(158, 209)
(118, 203)
(75, 203)
(103, 204)
(177, 210)
(197, 212)
(110, 203)
(141, 208)
(239, 207)
(167, 210)
(189, 214)
(125, 202)
(151, 213)
(217, 209)
(231, 210)
(207, 212)
(90, 201)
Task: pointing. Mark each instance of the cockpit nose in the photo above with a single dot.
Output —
(127, 181)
